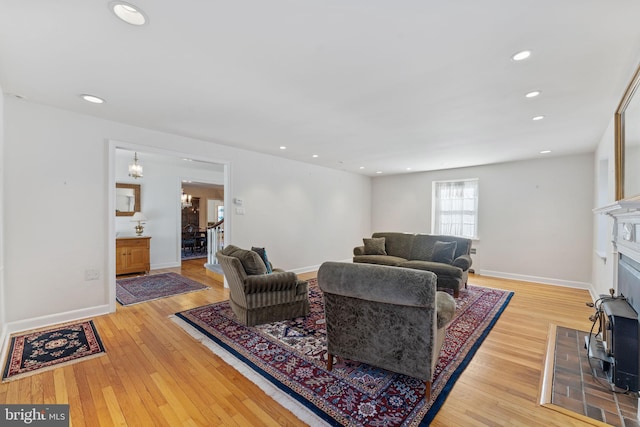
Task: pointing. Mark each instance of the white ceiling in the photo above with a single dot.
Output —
(387, 85)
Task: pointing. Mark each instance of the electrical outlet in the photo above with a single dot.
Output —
(91, 274)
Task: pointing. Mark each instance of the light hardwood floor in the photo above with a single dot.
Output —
(154, 374)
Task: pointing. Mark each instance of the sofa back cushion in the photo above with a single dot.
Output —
(397, 244)
(424, 245)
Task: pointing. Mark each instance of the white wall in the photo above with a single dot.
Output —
(57, 215)
(535, 219)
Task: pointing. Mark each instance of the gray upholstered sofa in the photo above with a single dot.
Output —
(392, 318)
(446, 256)
(257, 297)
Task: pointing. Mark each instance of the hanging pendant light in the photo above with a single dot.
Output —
(185, 200)
(135, 169)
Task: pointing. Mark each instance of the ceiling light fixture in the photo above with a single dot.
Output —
(536, 118)
(315, 156)
(545, 151)
(185, 200)
(378, 171)
(282, 147)
(128, 13)
(92, 98)
(521, 55)
(135, 168)
(533, 94)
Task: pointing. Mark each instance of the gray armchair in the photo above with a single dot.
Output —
(257, 297)
(389, 317)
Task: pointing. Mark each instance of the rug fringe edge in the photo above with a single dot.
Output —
(275, 393)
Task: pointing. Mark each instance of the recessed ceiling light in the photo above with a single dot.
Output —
(361, 167)
(521, 55)
(314, 156)
(92, 98)
(282, 147)
(128, 13)
(378, 171)
(408, 169)
(545, 151)
(533, 94)
(536, 118)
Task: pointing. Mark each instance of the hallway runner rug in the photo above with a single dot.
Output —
(34, 352)
(287, 360)
(135, 290)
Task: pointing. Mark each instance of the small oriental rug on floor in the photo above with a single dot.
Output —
(146, 288)
(52, 348)
(288, 361)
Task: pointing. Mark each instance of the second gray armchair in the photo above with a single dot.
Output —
(257, 297)
(389, 317)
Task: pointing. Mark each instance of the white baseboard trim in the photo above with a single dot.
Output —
(305, 269)
(55, 319)
(536, 279)
(166, 265)
(316, 267)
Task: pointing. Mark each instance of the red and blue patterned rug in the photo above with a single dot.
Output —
(289, 358)
(146, 288)
(52, 348)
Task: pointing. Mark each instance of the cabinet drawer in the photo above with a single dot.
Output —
(132, 243)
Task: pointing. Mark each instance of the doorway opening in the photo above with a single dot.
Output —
(202, 220)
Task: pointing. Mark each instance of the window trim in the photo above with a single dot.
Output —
(476, 211)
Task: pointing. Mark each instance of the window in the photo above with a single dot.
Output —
(455, 208)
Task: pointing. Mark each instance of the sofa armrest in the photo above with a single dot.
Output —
(280, 281)
(358, 250)
(463, 262)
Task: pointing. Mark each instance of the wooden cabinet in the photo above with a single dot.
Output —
(132, 255)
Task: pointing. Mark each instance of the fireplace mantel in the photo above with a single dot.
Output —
(626, 226)
(620, 207)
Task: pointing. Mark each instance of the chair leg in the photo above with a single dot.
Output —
(456, 293)
(427, 391)
(329, 362)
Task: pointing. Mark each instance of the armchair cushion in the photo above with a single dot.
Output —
(443, 252)
(251, 261)
(374, 246)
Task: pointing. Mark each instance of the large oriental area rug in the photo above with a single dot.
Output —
(288, 360)
(146, 288)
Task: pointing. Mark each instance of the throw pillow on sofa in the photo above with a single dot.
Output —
(444, 252)
(374, 246)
